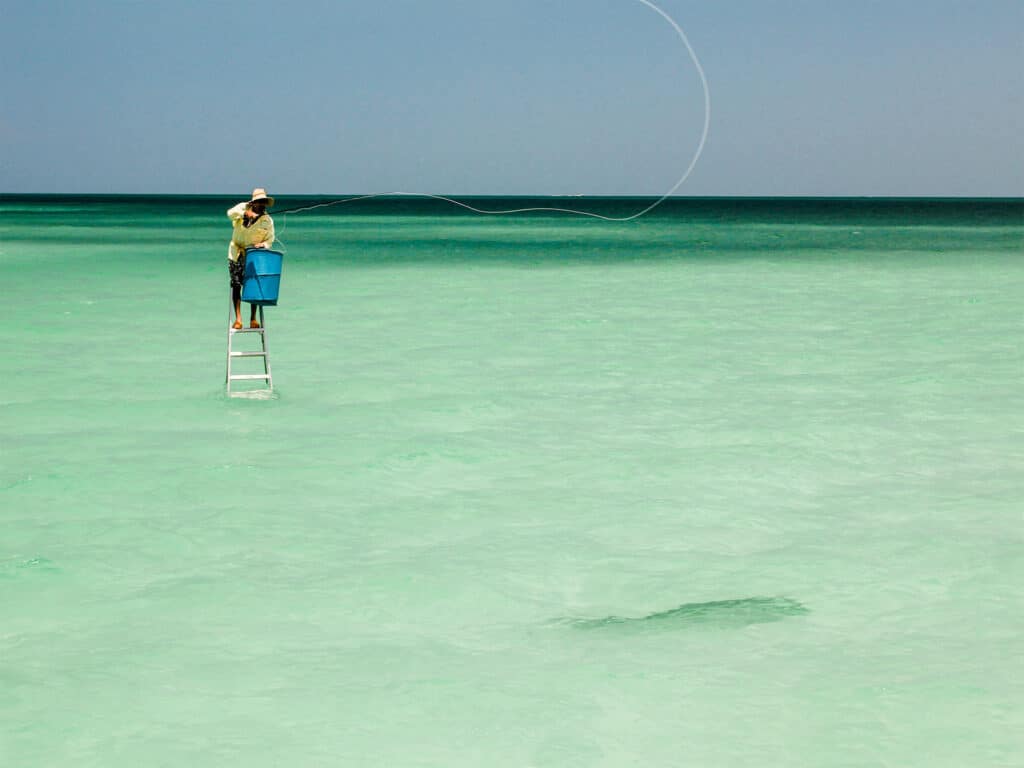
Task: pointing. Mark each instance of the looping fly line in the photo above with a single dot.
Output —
(649, 208)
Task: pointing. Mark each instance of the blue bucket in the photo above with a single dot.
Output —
(262, 277)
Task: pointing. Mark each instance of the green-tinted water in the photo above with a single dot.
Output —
(768, 454)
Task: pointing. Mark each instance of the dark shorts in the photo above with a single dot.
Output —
(236, 270)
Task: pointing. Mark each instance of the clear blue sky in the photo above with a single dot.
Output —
(498, 97)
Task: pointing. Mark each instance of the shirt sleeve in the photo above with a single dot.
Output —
(270, 233)
(237, 212)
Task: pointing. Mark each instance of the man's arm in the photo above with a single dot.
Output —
(269, 242)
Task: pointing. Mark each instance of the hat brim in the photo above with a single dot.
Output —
(268, 200)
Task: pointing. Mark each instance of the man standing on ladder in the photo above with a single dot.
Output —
(252, 227)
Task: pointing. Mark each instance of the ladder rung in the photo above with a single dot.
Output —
(241, 376)
(246, 330)
(248, 354)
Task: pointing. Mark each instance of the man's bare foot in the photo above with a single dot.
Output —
(237, 325)
(254, 324)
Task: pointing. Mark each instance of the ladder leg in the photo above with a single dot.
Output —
(227, 367)
(266, 352)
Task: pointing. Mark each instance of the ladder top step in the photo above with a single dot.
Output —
(248, 354)
(233, 331)
(244, 376)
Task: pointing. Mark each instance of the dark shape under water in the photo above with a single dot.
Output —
(717, 613)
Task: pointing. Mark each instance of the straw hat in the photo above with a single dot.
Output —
(260, 195)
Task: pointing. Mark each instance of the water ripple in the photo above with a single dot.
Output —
(717, 613)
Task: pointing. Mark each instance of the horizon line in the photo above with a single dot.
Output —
(426, 196)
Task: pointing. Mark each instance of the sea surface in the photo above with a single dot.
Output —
(738, 483)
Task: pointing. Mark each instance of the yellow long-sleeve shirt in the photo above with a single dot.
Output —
(260, 232)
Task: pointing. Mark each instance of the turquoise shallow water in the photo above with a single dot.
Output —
(738, 483)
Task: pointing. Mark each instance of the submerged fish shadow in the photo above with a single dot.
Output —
(717, 613)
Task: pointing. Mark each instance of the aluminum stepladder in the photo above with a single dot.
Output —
(263, 352)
